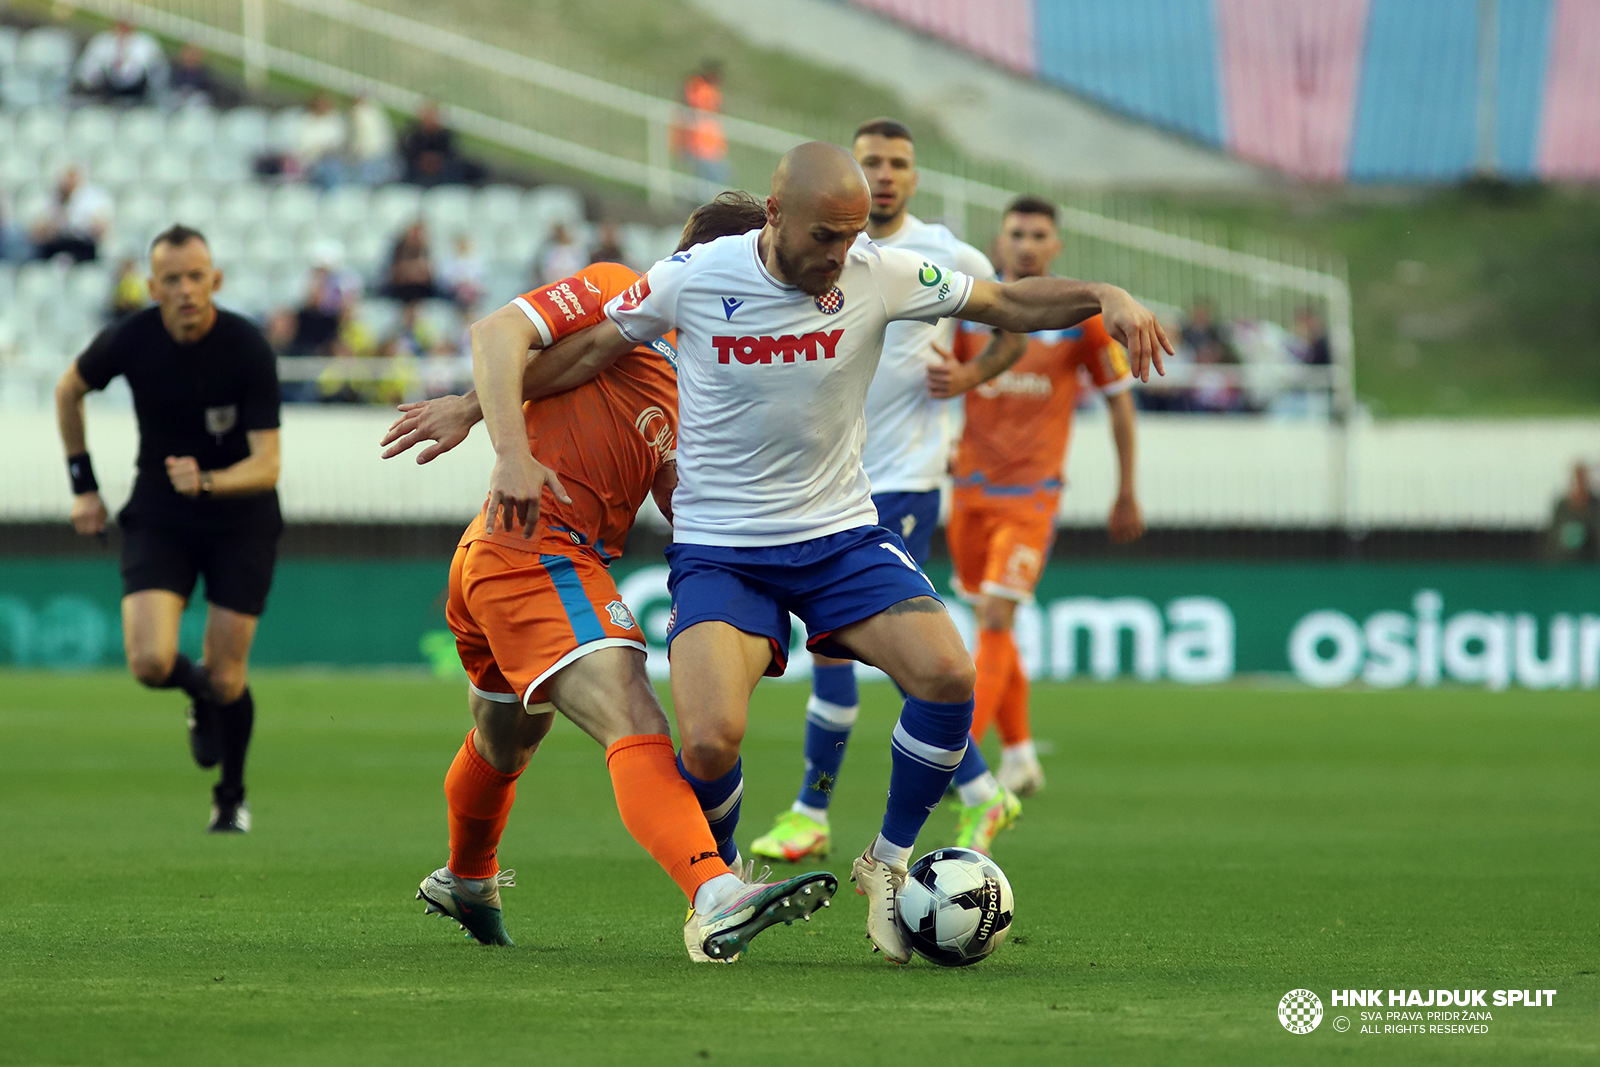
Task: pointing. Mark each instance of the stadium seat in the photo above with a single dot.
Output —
(447, 210)
(292, 206)
(244, 128)
(169, 164)
(40, 283)
(17, 167)
(272, 243)
(141, 210)
(283, 128)
(394, 206)
(366, 249)
(380, 315)
(344, 207)
(8, 284)
(286, 286)
(227, 242)
(193, 127)
(222, 167)
(21, 89)
(42, 127)
(47, 48)
(88, 128)
(194, 207)
(246, 291)
(140, 128)
(89, 285)
(117, 164)
(549, 204)
(8, 48)
(496, 206)
(243, 205)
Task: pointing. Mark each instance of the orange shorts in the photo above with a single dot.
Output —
(999, 544)
(519, 617)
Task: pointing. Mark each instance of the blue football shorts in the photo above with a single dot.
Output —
(829, 582)
(911, 515)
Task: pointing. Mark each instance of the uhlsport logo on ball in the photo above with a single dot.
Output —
(1300, 1011)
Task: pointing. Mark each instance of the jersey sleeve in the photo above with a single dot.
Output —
(572, 304)
(261, 404)
(648, 308)
(102, 360)
(1104, 359)
(913, 288)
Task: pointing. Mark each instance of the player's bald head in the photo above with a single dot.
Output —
(817, 209)
(818, 173)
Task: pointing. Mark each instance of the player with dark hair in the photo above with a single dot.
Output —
(205, 502)
(1008, 476)
(540, 626)
(905, 455)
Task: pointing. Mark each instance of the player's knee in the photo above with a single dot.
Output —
(227, 682)
(948, 678)
(149, 667)
(711, 755)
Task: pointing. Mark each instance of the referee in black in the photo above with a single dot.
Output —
(205, 502)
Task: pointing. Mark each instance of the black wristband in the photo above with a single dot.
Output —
(82, 473)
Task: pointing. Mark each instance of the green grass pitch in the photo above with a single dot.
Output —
(1197, 854)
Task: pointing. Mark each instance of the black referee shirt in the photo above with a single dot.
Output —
(194, 400)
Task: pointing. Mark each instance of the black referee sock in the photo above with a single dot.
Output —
(235, 722)
(190, 677)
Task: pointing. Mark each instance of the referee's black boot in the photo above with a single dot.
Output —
(229, 813)
(205, 734)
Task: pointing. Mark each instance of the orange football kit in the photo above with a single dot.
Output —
(1008, 474)
(522, 609)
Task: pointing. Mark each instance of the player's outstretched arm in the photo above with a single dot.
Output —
(499, 346)
(88, 509)
(1047, 303)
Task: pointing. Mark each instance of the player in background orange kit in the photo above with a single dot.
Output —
(540, 627)
(1008, 472)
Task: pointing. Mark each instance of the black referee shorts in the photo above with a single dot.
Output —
(237, 565)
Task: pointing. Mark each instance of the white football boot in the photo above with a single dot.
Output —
(880, 883)
(472, 902)
(1022, 777)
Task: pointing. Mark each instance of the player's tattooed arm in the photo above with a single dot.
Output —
(950, 377)
(573, 360)
(1048, 303)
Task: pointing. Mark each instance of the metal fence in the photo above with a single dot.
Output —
(622, 134)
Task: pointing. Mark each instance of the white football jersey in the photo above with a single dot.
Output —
(908, 431)
(772, 382)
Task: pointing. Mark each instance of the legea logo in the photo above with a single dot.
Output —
(1492, 649)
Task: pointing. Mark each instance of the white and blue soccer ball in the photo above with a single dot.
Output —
(955, 907)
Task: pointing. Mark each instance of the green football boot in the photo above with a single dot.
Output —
(980, 823)
(794, 837)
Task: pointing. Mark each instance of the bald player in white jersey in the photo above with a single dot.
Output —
(779, 333)
(906, 455)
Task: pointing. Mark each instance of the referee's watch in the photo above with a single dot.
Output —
(205, 483)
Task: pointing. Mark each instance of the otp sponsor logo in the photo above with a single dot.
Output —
(635, 294)
(787, 348)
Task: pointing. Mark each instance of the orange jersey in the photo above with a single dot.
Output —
(1018, 423)
(605, 439)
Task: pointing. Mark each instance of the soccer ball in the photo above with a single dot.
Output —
(955, 907)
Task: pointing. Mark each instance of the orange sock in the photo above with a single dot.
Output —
(480, 800)
(996, 655)
(661, 812)
(1013, 717)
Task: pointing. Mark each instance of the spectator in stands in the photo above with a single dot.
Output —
(429, 151)
(191, 81)
(607, 246)
(462, 277)
(410, 274)
(1310, 345)
(319, 146)
(560, 256)
(78, 217)
(1208, 341)
(699, 135)
(129, 291)
(123, 64)
(372, 144)
(1574, 533)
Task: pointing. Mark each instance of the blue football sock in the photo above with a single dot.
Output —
(719, 800)
(973, 765)
(929, 741)
(830, 714)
